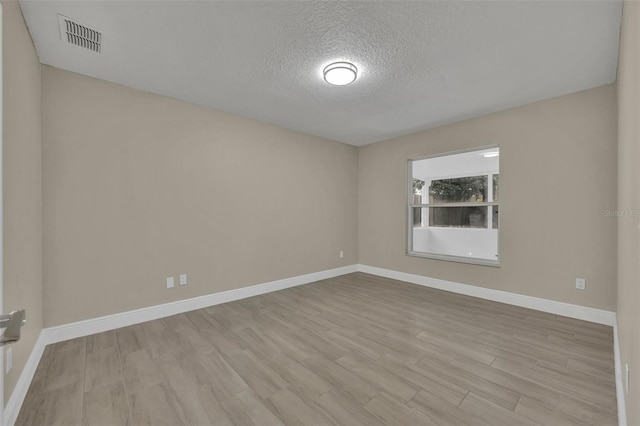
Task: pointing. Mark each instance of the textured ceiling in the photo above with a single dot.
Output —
(421, 64)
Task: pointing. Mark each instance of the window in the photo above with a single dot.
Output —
(453, 207)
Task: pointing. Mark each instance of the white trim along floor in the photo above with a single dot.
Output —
(96, 325)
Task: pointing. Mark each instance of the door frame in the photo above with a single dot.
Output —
(2, 369)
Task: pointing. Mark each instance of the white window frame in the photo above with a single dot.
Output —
(489, 205)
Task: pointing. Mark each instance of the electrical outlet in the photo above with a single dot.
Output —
(170, 283)
(183, 279)
(9, 359)
(581, 283)
(341, 254)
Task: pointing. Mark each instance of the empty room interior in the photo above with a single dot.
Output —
(320, 213)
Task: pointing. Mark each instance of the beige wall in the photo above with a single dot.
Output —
(558, 175)
(138, 187)
(22, 184)
(629, 199)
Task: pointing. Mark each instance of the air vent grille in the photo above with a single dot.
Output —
(81, 35)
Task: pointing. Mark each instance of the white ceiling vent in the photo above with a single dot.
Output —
(79, 34)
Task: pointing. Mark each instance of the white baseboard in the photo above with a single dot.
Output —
(622, 410)
(551, 306)
(12, 409)
(110, 322)
(123, 319)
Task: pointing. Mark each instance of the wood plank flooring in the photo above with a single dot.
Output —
(353, 350)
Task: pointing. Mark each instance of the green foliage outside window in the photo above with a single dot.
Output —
(464, 189)
(417, 185)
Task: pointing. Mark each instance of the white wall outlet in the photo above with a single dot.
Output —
(341, 254)
(626, 378)
(9, 359)
(581, 283)
(183, 279)
(170, 283)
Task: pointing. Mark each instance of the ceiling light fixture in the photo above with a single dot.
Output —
(491, 154)
(340, 73)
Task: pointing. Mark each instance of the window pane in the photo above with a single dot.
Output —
(477, 243)
(417, 216)
(495, 217)
(420, 216)
(417, 186)
(451, 224)
(458, 217)
(469, 189)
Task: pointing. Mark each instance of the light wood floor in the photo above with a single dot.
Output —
(352, 350)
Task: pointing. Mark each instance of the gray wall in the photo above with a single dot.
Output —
(557, 176)
(22, 184)
(138, 187)
(629, 199)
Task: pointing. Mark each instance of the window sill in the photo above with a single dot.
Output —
(458, 259)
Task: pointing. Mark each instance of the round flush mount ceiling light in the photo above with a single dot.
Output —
(340, 73)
